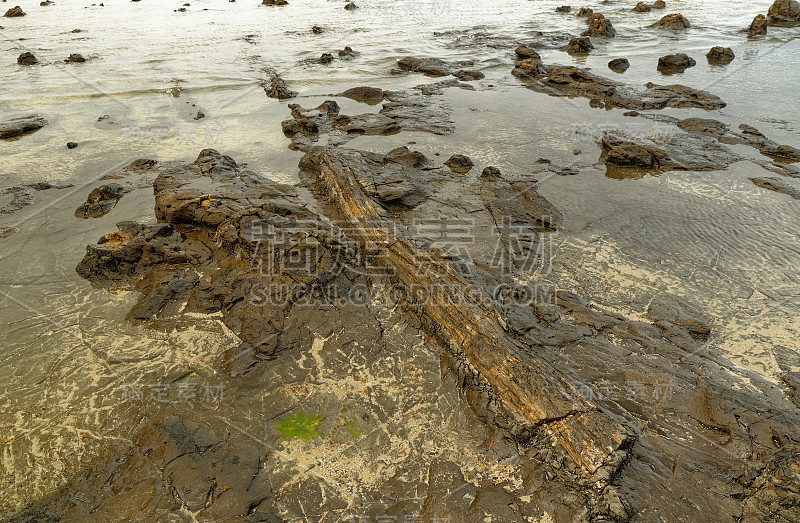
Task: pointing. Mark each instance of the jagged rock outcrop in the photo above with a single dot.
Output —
(784, 12)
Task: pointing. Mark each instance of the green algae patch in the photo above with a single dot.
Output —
(300, 425)
(351, 428)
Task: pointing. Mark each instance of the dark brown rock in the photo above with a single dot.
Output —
(675, 63)
(599, 26)
(468, 76)
(585, 11)
(675, 22)
(274, 2)
(75, 58)
(720, 55)
(325, 59)
(14, 12)
(574, 81)
(101, 200)
(659, 4)
(619, 65)
(758, 27)
(777, 185)
(784, 12)
(458, 163)
(275, 87)
(641, 7)
(563, 9)
(351, 6)
(579, 45)
(72, 145)
(347, 52)
(367, 95)
(427, 66)
(27, 58)
(19, 126)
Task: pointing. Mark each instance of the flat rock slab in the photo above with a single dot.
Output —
(20, 126)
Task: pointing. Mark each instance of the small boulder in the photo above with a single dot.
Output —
(347, 52)
(675, 22)
(72, 145)
(317, 30)
(720, 55)
(529, 68)
(274, 2)
(14, 12)
(619, 65)
(784, 12)
(675, 63)
(460, 164)
(325, 59)
(659, 4)
(75, 58)
(350, 6)
(27, 59)
(599, 26)
(523, 52)
(641, 7)
(467, 76)
(101, 200)
(585, 11)
(563, 9)
(758, 27)
(579, 45)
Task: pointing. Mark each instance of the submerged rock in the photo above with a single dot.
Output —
(325, 59)
(675, 22)
(585, 11)
(27, 58)
(758, 27)
(347, 52)
(75, 58)
(563, 9)
(350, 6)
(777, 185)
(579, 45)
(14, 12)
(275, 87)
(19, 126)
(720, 55)
(641, 7)
(367, 95)
(675, 63)
(274, 2)
(619, 65)
(784, 12)
(428, 66)
(574, 81)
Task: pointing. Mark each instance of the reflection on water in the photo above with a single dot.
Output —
(713, 237)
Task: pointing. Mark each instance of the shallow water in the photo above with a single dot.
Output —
(728, 246)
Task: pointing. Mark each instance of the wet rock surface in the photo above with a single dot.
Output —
(101, 200)
(599, 26)
(401, 110)
(647, 396)
(758, 27)
(75, 58)
(579, 45)
(784, 12)
(574, 81)
(619, 65)
(674, 22)
(675, 63)
(458, 163)
(14, 12)
(275, 87)
(19, 126)
(720, 55)
(27, 58)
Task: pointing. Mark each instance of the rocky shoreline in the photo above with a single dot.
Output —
(605, 417)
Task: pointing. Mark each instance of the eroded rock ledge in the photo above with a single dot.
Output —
(605, 408)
